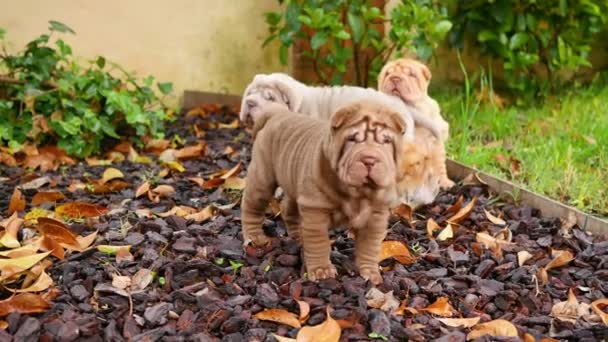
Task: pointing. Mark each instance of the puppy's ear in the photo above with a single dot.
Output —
(382, 74)
(341, 116)
(289, 92)
(426, 72)
(397, 122)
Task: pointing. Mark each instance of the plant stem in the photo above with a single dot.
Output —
(10, 80)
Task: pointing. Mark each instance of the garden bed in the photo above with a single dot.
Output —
(206, 288)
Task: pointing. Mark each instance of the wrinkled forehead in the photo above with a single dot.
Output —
(378, 129)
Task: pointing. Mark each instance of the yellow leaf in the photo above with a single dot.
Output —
(234, 183)
(281, 316)
(31, 218)
(561, 258)
(4, 325)
(446, 233)
(26, 250)
(111, 173)
(522, 257)
(143, 189)
(23, 263)
(497, 327)
(494, 219)
(203, 215)
(43, 282)
(111, 250)
(441, 307)
(460, 322)
(175, 165)
(464, 212)
(328, 331)
(397, 250)
(431, 227)
(11, 226)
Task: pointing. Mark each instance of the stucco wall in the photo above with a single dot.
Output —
(210, 45)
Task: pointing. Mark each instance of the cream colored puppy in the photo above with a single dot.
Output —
(337, 171)
(409, 80)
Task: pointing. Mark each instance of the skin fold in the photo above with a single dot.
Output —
(338, 171)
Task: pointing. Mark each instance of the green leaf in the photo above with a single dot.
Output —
(165, 87)
(64, 48)
(563, 7)
(283, 54)
(2, 33)
(60, 27)
(101, 62)
(318, 40)
(486, 35)
(377, 336)
(304, 19)
(357, 26)
(273, 18)
(342, 35)
(518, 40)
(443, 27)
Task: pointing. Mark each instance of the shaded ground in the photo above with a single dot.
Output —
(206, 288)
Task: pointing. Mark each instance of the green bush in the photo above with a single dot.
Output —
(46, 97)
(340, 32)
(525, 34)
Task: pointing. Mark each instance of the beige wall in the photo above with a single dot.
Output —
(211, 45)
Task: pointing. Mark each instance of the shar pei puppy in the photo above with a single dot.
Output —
(340, 171)
(424, 158)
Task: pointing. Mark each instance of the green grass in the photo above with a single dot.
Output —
(562, 144)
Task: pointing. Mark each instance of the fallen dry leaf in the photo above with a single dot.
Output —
(36, 183)
(178, 210)
(446, 233)
(522, 257)
(203, 215)
(404, 212)
(22, 263)
(234, 183)
(142, 189)
(110, 174)
(397, 250)
(124, 255)
(497, 327)
(7, 159)
(232, 172)
(26, 250)
(31, 218)
(86, 241)
(111, 250)
(141, 279)
(43, 282)
(281, 338)
(213, 183)
(17, 202)
(173, 165)
(380, 300)
(328, 331)
(599, 307)
(431, 227)
(464, 212)
(454, 208)
(115, 185)
(157, 145)
(304, 310)
(571, 309)
(198, 180)
(459, 322)
(24, 303)
(190, 152)
(4, 324)
(80, 210)
(57, 231)
(47, 197)
(281, 316)
(494, 219)
(11, 225)
(441, 307)
(164, 190)
(561, 258)
(120, 281)
(232, 125)
(52, 246)
(47, 158)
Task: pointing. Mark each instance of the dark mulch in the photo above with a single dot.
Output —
(204, 299)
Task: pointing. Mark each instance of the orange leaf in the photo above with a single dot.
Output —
(17, 202)
(43, 282)
(48, 244)
(203, 215)
(47, 197)
(397, 250)
(598, 307)
(562, 258)
(142, 189)
(232, 172)
(497, 327)
(3, 324)
(431, 226)
(190, 152)
(454, 208)
(281, 316)
(328, 331)
(441, 307)
(464, 212)
(24, 303)
(213, 183)
(80, 209)
(57, 231)
(404, 211)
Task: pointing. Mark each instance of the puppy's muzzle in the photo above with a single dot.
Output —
(250, 107)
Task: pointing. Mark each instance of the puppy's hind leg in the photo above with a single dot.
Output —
(291, 217)
(256, 196)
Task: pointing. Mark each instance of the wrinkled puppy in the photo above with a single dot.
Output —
(409, 79)
(337, 171)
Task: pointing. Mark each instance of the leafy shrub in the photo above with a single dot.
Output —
(524, 34)
(348, 34)
(46, 97)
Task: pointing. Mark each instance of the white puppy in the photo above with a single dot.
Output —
(321, 102)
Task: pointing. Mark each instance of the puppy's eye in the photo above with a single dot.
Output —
(352, 138)
(387, 140)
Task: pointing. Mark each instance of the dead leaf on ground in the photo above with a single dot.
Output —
(163, 190)
(198, 180)
(22, 263)
(7, 159)
(281, 316)
(234, 183)
(124, 255)
(497, 327)
(43, 282)
(52, 246)
(561, 258)
(404, 212)
(114, 185)
(203, 215)
(57, 231)
(48, 158)
(36, 183)
(397, 250)
(496, 220)
(31, 218)
(380, 300)
(232, 172)
(191, 152)
(446, 233)
(17, 202)
(141, 279)
(97, 162)
(464, 212)
(514, 166)
(11, 225)
(431, 227)
(304, 310)
(80, 210)
(599, 307)
(232, 125)
(47, 197)
(120, 281)
(328, 331)
(213, 183)
(142, 189)
(459, 322)
(29, 249)
(454, 208)
(24, 303)
(86, 241)
(157, 145)
(571, 309)
(3, 324)
(110, 174)
(110, 249)
(522, 257)
(441, 307)
(178, 210)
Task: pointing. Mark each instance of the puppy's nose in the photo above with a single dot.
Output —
(369, 161)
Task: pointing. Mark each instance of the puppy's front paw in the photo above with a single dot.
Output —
(324, 272)
(373, 275)
(446, 183)
(258, 240)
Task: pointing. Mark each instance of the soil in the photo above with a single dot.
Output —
(207, 288)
